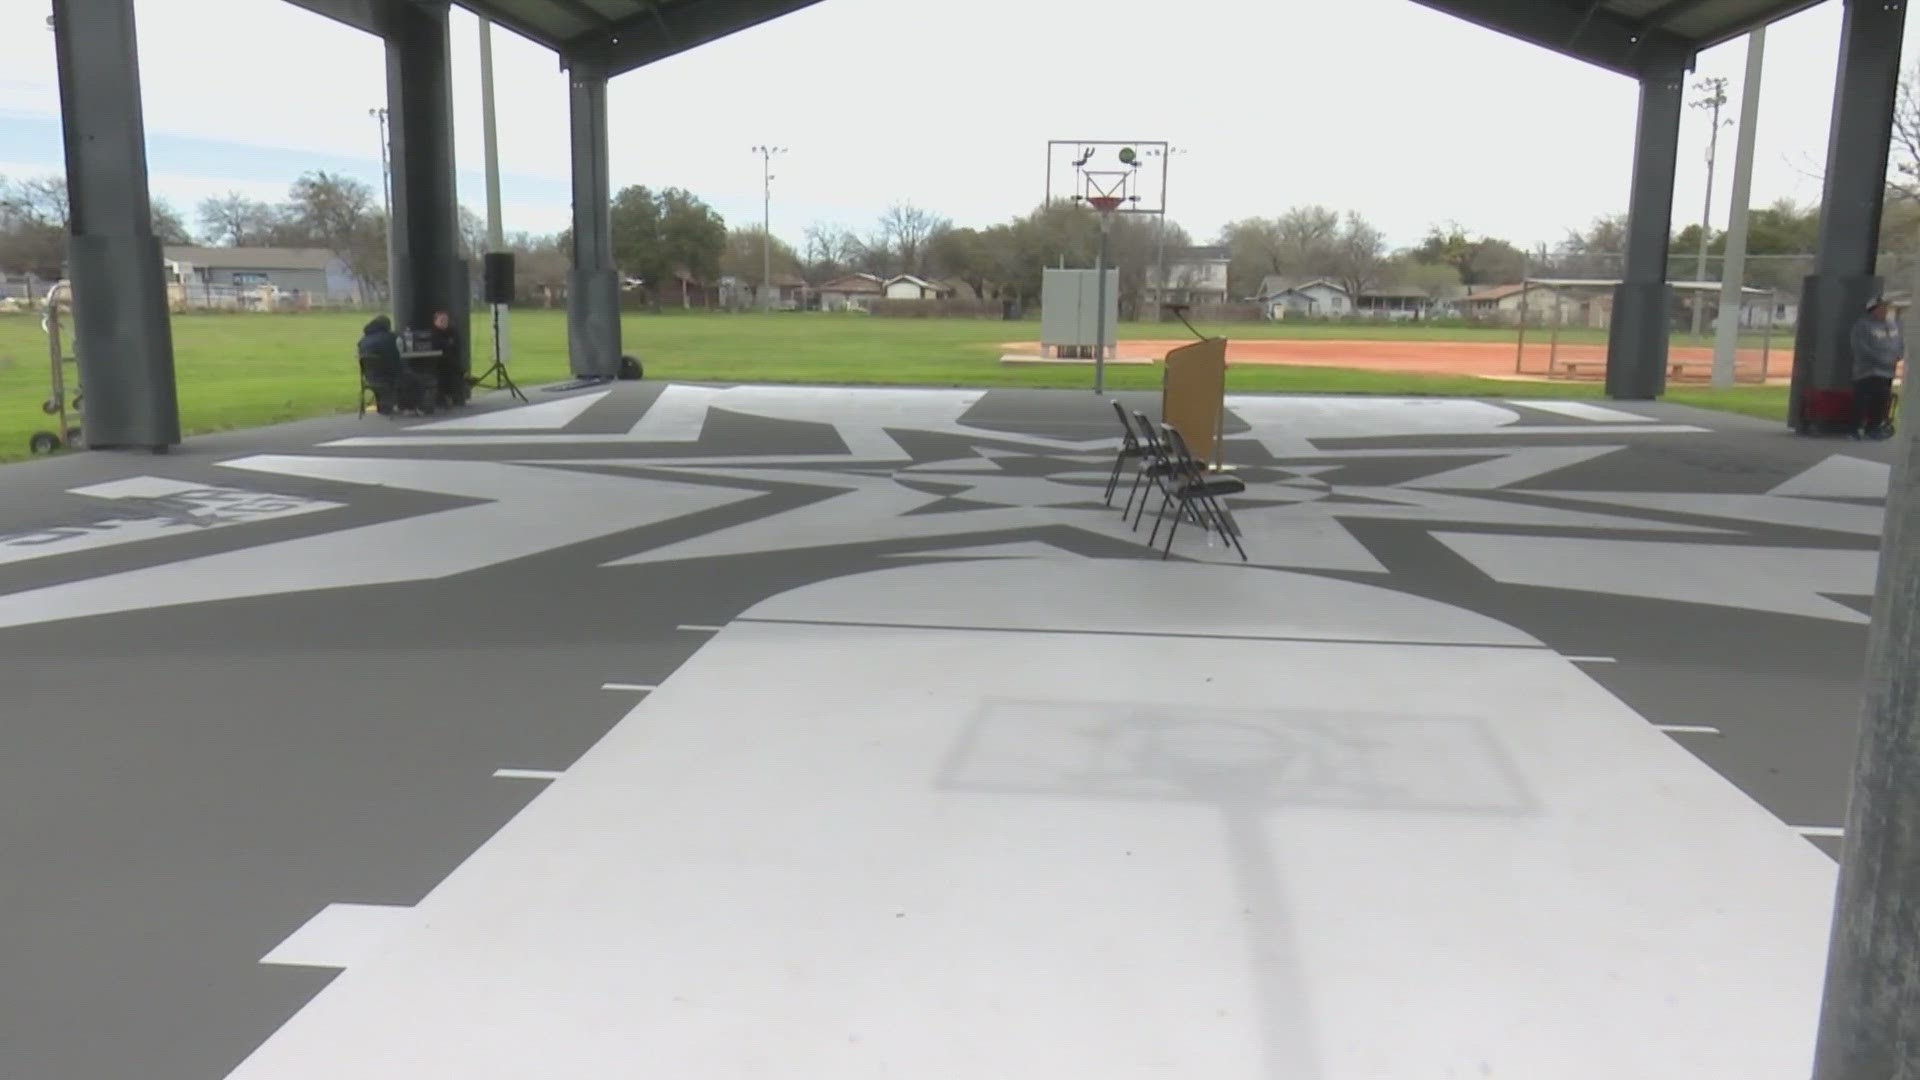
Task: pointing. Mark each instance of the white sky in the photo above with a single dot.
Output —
(1382, 106)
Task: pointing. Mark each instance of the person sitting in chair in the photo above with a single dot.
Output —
(443, 340)
(381, 363)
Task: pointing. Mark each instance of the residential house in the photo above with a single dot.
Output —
(298, 275)
(684, 290)
(1541, 302)
(789, 292)
(909, 287)
(849, 292)
(1194, 275)
(1395, 302)
(1313, 298)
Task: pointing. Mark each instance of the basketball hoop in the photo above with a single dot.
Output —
(1106, 204)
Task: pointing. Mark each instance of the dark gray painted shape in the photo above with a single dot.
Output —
(1867, 90)
(1637, 345)
(123, 341)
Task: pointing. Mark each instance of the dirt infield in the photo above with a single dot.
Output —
(1485, 359)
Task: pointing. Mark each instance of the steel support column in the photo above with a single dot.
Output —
(1843, 280)
(123, 339)
(430, 272)
(593, 285)
(1642, 302)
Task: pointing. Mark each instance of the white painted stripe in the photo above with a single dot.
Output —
(1593, 659)
(1687, 729)
(342, 935)
(527, 774)
(1580, 410)
(699, 629)
(1833, 832)
(542, 416)
(641, 688)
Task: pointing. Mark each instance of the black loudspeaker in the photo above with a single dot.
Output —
(498, 266)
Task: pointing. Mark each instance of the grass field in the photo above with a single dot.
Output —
(246, 370)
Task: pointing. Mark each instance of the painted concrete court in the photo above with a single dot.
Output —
(781, 731)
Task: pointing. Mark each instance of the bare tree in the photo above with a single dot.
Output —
(1358, 256)
(1903, 174)
(33, 226)
(233, 219)
(168, 226)
(904, 231)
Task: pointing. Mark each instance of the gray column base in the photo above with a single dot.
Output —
(1637, 341)
(1829, 306)
(124, 342)
(593, 323)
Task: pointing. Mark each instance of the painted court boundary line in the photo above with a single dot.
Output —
(851, 624)
(527, 774)
(1686, 729)
(639, 688)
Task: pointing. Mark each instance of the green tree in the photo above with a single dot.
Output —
(656, 234)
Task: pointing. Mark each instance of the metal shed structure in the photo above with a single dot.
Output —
(128, 361)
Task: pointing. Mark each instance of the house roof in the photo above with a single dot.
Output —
(251, 258)
(920, 281)
(1276, 285)
(1497, 293)
(851, 283)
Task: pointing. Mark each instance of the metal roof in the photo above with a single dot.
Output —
(617, 35)
(1633, 37)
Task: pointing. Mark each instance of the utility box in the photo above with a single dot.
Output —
(1069, 299)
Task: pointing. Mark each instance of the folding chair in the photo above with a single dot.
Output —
(1129, 450)
(1197, 496)
(1157, 466)
(374, 388)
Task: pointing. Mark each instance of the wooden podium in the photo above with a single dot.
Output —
(1193, 397)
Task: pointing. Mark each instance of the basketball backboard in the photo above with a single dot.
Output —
(1135, 171)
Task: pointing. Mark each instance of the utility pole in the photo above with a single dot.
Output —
(1733, 273)
(386, 196)
(767, 154)
(1716, 90)
(1870, 1017)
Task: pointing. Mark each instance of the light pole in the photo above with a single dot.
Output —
(767, 154)
(1715, 90)
(386, 194)
(1733, 268)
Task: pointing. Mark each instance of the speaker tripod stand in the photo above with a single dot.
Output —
(498, 372)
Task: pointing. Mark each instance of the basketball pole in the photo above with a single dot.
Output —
(1100, 309)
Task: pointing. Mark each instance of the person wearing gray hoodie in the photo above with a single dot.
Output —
(1877, 351)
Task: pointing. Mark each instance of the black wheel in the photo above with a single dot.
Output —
(43, 442)
(630, 369)
(75, 441)
(50, 406)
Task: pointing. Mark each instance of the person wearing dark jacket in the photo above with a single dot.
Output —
(1877, 351)
(387, 372)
